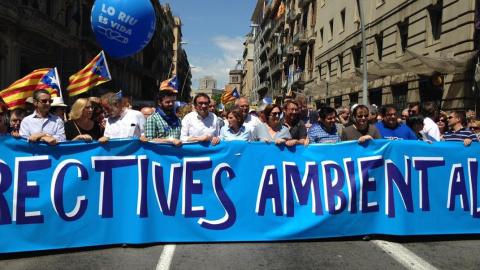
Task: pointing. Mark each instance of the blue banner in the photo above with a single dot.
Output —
(77, 194)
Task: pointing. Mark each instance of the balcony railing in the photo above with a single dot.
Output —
(288, 49)
(291, 15)
(9, 8)
(39, 22)
(299, 78)
(300, 37)
(303, 3)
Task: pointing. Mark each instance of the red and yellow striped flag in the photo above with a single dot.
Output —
(95, 73)
(230, 96)
(16, 94)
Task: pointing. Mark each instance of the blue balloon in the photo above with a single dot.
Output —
(123, 27)
(267, 100)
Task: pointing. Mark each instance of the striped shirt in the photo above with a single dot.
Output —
(460, 135)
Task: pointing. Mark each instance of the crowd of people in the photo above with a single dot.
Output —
(110, 117)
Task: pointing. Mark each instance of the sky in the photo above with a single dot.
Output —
(215, 31)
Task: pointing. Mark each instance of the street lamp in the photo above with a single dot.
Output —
(184, 81)
(254, 26)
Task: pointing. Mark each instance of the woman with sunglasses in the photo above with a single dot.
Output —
(475, 127)
(272, 131)
(80, 125)
(361, 130)
(442, 124)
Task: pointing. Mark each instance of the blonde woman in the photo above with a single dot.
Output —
(80, 125)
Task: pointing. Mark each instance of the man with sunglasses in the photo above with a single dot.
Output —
(458, 132)
(41, 125)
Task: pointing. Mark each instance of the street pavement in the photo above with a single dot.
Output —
(380, 252)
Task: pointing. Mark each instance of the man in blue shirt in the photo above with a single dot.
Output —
(390, 129)
(41, 125)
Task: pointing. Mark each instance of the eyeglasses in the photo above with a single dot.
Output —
(412, 111)
(275, 113)
(45, 101)
(362, 116)
(450, 117)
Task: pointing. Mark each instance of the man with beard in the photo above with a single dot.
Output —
(41, 125)
(163, 125)
(297, 128)
(122, 122)
(390, 129)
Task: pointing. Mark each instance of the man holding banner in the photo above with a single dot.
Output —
(41, 125)
(163, 125)
(200, 125)
(122, 122)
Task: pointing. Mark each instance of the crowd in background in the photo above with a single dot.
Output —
(110, 116)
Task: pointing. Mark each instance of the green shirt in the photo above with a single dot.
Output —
(157, 127)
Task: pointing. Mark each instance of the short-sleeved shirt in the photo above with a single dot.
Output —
(129, 124)
(157, 127)
(399, 132)
(298, 130)
(460, 135)
(51, 125)
(318, 133)
(351, 133)
(261, 132)
(227, 134)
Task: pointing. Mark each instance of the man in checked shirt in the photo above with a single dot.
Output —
(164, 125)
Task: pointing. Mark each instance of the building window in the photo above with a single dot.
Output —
(353, 98)
(402, 37)
(314, 13)
(320, 39)
(375, 96)
(337, 101)
(330, 36)
(342, 17)
(431, 89)
(357, 56)
(435, 14)
(379, 45)
(329, 71)
(399, 93)
(340, 65)
(234, 79)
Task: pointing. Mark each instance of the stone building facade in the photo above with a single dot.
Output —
(38, 34)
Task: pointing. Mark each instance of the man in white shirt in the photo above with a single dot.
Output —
(430, 128)
(200, 125)
(122, 122)
(251, 121)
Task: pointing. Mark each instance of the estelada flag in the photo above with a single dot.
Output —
(281, 10)
(95, 73)
(230, 96)
(16, 94)
(170, 84)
